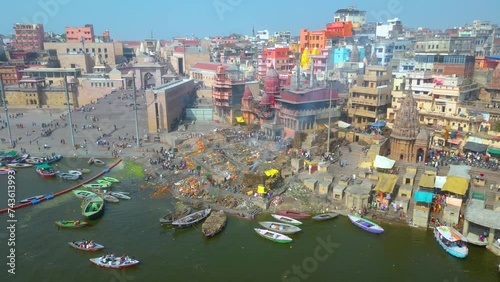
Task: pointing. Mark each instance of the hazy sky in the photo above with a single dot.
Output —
(135, 19)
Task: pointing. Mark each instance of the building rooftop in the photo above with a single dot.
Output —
(476, 213)
(171, 84)
(50, 70)
(208, 66)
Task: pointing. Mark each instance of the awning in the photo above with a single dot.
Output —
(43, 166)
(386, 183)
(424, 197)
(378, 124)
(342, 124)
(272, 172)
(494, 151)
(261, 189)
(455, 141)
(456, 185)
(427, 181)
(439, 182)
(475, 147)
(240, 119)
(383, 162)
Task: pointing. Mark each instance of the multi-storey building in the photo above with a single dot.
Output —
(370, 97)
(52, 76)
(110, 53)
(392, 29)
(351, 14)
(79, 34)
(449, 45)
(28, 36)
(205, 72)
(227, 95)
(319, 38)
(10, 74)
(384, 51)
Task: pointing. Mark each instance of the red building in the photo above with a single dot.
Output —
(318, 39)
(28, 36)
(227, 95)
(76, 34)
(10, 74)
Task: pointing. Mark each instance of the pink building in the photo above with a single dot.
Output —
(320, 60)
(28, 36)
(75, 34)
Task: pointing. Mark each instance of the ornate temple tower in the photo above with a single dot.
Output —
(408, 142)
(272, 85)
(247, 106)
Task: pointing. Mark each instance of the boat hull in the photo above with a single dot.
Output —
(191, 219)
(286, 219)
(294, 214)
(82, 194)
(89, 212)
(275, 226)
(325, 216)
(366, 224)
(273, 236)
(77, 245)
(71, 224)
(169, 218)
(98, 262)
(454, 251)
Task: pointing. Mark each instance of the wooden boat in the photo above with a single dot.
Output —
(71, 223)
(67, 176)
(90, 161)
(280, 227)
(214, 223)
(89, 247)
(169, 218)
(122, 192)
(120, 195)
(95, 185)
(109, 198)
(99, 162)
(47, 160)
(4, 170)
(82, 194)
(191, 219)
(45, 170)
(111, 179)
(34, 160)
(325, 216)
(99, 191)
(286, 219)
(30, 199)
(294, 214)
(114, 263)
(452, 241)
(83, 170)
(100, 181)
(365, 224)
(20, 159)
(19, 165)
(273, 236)
(75, 172)
(94, 208)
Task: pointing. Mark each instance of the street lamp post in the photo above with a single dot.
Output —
(2, 89)
(138, 144)
(69, 110)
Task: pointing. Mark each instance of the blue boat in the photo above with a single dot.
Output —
(365, 224)
(452, 241)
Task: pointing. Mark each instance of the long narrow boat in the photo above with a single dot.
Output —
(89, 247)
(111, 179)
(214, 223)
(19, 165)
(109, 198)
(120, 195)
(169, 218)
(286, 219)
(4, 170)
(46, 160)
(68, 176)
(452, 241)
(71, 223)
(30, 199)
(280, 227)
(104, 182)
(273, 236)
(95, 185)
(83, 170)
(75, 172)
(114, 262)
(325, 216)
(94, 208)
(82, 194)
(191, 219)
(294, 214)
(365, 224)
(98, 162)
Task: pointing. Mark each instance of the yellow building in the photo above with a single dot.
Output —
(370, 96)
(52, 76)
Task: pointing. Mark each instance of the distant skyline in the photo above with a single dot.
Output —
(135, 20)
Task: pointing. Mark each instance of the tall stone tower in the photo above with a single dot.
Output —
(408, 142)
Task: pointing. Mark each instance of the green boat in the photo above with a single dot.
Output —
(93, 208)
(82, 194)
(96, 185)
(100, 181)
(273, 236)
(111, 179)
(71, 223)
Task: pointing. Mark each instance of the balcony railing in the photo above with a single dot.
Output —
(220, 95)
(370, 90)
(363, 101)
(303, 113)
(363, 113)
(379, 78)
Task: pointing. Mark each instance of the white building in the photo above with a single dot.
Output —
(351, 14)
(392, 28)
(262, 35)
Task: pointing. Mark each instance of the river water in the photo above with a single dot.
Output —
(325, 251)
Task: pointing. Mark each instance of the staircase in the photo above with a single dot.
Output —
(489, 200)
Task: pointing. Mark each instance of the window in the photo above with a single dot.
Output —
(98, 50)
(93, 50)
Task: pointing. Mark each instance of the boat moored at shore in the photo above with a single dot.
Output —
(452, 241)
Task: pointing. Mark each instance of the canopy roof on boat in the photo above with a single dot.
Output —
(450, 234)
(386, 183)
(43, 166)
(11, 153)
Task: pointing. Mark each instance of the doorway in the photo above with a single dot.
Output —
(420, 155)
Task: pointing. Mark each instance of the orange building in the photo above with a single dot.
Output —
(28, 36)
(75, 34)
(318, 38)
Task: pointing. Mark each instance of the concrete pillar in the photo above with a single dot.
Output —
(491, 237)
(466, 227)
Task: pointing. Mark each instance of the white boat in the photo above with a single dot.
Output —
(19, 165)
(75, 172)
(119, 195)
(452, 241)
(34, 160)
(99, 162)
(286, 219)
(280, 227)
(273, 236)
